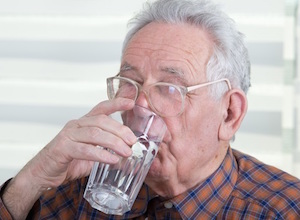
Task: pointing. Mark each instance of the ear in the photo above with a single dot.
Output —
(234, 108)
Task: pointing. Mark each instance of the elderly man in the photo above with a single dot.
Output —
(195, 49)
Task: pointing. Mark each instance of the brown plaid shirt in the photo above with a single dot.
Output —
(241, 188)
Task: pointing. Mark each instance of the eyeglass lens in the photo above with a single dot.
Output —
(165, 99)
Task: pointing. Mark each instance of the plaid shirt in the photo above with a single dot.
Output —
(241, 188)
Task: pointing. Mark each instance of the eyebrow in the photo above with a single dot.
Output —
(125, 67)
(173, 70)
(177, 73)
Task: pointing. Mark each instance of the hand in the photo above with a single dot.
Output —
(73, 151)
(71, 155)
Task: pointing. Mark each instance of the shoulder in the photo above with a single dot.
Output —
(266, 186)
(261, 173)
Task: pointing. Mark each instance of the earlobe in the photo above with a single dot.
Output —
(234, 108)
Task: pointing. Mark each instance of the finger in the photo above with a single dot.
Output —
(88, 152)
(97, 136)
(101, 123)
(110, 106)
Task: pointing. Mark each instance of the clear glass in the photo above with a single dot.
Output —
(113, 189)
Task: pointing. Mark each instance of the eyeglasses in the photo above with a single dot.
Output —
(165, 99)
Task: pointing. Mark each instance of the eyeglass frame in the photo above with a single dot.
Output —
(184, 90)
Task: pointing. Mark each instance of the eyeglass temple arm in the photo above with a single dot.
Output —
(190, 88)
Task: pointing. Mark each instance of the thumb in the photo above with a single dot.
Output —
(110, 106)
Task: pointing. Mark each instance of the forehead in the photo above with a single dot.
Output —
(161, 46)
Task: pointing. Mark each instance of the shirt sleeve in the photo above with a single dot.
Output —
(4, 213)
(64, 200)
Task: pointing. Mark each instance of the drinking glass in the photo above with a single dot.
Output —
(113, 189)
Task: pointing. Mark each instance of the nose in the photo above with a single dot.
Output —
(142, 100)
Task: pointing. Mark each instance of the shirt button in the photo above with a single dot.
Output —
(168, 205)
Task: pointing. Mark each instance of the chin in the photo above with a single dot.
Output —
(155, 178)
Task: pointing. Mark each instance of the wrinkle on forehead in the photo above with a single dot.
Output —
(182, 42)
(164, 55)
(152, 47)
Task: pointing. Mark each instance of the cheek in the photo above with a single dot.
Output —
(195, 130)
(196, 135)
(203, 120)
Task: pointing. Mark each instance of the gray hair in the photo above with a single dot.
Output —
(230, 57)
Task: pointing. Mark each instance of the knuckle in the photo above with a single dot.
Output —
(85, 151)
(72, 123)
(93, 132)
(63, 135)
(101, 118)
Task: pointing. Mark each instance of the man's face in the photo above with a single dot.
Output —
(191, 149)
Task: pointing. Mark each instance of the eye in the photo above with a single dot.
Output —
(172, 90)
(125, 86)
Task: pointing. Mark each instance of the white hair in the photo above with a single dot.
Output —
(230, 57)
